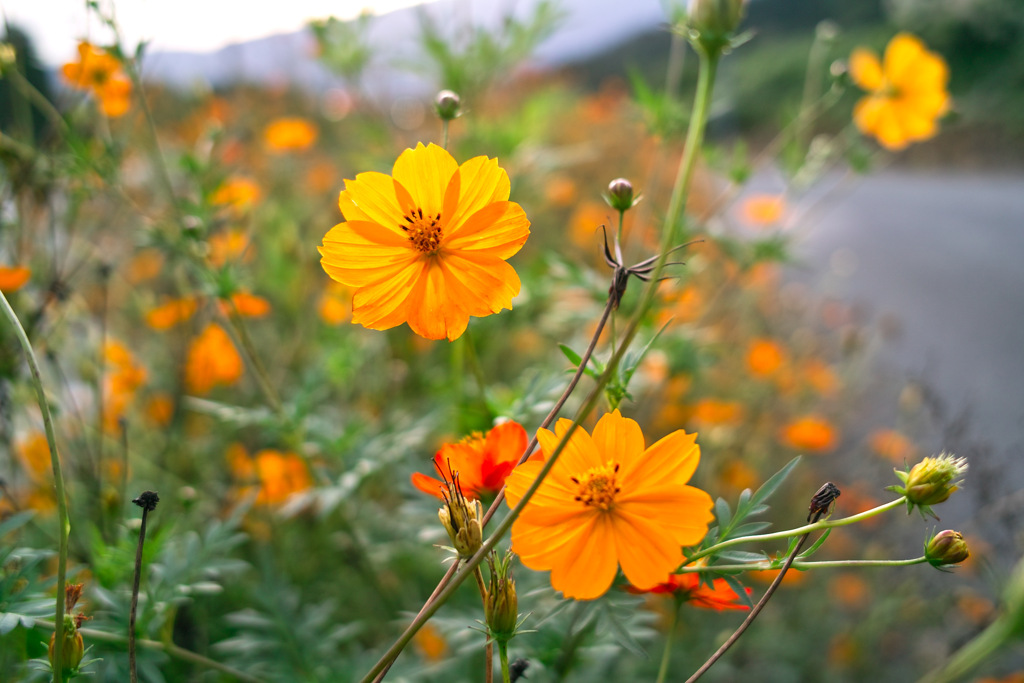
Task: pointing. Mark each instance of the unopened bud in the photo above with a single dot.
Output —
(946, 547)
(72, 648)
(448, 105)
(931, 481)
(502, 607)
(714, 21)
(620, 195)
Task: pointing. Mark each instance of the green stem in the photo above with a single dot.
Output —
(58, 481)
(262, 378)
(168, 648)
(39, 100)
(666, 655)
(799, 531)
(503, 656)
(489, 646)
(829, 564)
(444, 128)
(977, 651)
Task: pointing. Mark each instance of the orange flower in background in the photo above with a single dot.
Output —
(709, 411)
(892, 445)
(160, 409)
(762, 210)
(229, 246)
(482, 462)
(34, 454)
(681, 306)
(170, 313)
(821, 377)
(276, 475)
(717, 596)
(145, 265)
(248, 305)
(609, 502)
(850, 590)
(124, 377)
(13, 278)
(238, 194)
(429, 642)
(427, 245)
(335, 304)
(810, 433)
(212, 360)
(290, 134)
(585, 224)
(906, 91)
(764, 357)
(100, 71)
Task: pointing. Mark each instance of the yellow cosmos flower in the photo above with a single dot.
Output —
(290, 134)
(907, 91)
(428, 244)
(609, 502)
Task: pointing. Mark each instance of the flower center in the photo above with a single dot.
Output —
(424, 230)
(597, 486)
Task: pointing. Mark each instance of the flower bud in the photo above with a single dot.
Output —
(502, 607)
(713, 22)
(72, 648)
(461, 518)
(620, 195)
(930, 481)
(946, 547)
(448, 105)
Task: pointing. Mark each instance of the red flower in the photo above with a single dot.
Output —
(482, 462)
(718, 596)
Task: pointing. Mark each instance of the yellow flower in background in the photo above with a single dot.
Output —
(290, 134)
(212, 360)
(124, 377)
(428, 244)
(238, 194)
(13, 278)
(906, 91)
(609, 502)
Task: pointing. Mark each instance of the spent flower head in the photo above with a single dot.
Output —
(930, 482)
(460, 516)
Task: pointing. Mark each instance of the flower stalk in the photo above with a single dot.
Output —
(147, 500)
(64, 524)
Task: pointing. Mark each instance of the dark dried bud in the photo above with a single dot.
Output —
(147, 500)
(448, 105)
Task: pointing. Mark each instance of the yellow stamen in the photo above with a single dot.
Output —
(597, 486)
(424, 230)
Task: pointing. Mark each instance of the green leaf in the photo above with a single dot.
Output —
(770, 486)
(740, 590)
(817, 544)
(742, 556)
(722, 513)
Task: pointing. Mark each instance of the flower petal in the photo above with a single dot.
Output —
(901, 54)
(483, 285)
(683, 512)
(579, 454)
(425, 172)
(866, 70)
(383, 304)
(588, 569)
(504, 445)
(483, 182)
(427, 485)
(645, 550)
(618, 438)
(371, 197)
(357, 253)
(499, 230)
(672, 459)
(433, 312)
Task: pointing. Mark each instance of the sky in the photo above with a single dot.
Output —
(56, 26)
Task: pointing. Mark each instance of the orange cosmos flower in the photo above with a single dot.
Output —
(276, 475)
(428, 244)
(291, 134)
(115, 96)
(13, 278)
(810, 433)
(124, 377)
(335, 304)
(482, 463)
(892, 445)
(718, 596)
(710, 411)
(100, 71)
(609, 502)
(247, 305)
(228, 246)
(170, 313)
(764, 357)
(906, 91)
(763, 209)
(212, 360)
(238, 194)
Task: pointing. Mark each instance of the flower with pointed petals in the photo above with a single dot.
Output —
(906, 91)
(483, 462)
(608, 502)
(717, 596)
(427, 245)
